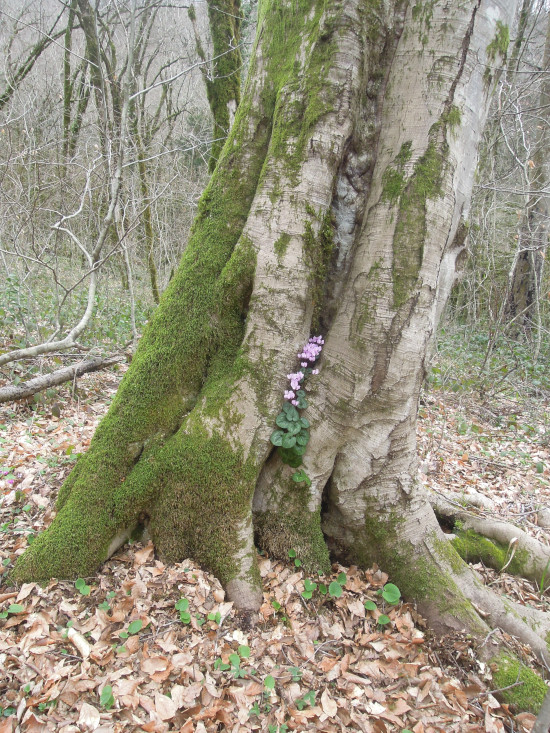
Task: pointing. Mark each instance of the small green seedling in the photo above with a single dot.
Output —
(135, 627)
(292, 556)
(383, 620)
(182, 606)
(106, 699)
(307, 699)
(296, 673)
(370, 605)
(309, 587)
(215, 616)
(335, 588)
(12, 610)
(81, 586)
(390, 593)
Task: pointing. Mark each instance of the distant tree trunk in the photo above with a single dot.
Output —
(339, 205)
(533, 238)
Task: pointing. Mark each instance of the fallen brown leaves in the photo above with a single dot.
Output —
(322, 664)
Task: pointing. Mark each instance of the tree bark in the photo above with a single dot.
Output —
(339, 206)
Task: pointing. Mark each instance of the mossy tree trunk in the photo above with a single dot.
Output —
(222, 75)
(339, 205)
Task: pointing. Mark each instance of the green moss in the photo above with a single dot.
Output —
(318, 251)
(207, 492)
(281, 245)
(224, 84)
(418, 576)
(410, 230)
(394, 179)
(452, 117)
(473, 547)
(300, 58)
(393, 184)
(293, 527)
(500, 42)
(529, 695)
(191, 13)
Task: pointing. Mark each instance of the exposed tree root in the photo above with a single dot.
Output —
(532, 558)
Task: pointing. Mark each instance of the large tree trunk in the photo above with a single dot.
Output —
(339, 205)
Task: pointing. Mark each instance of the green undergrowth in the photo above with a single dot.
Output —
(26, 313)
(511, 370)
(528, 695)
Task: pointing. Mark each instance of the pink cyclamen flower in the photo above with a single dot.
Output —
(315, 371)
(295, 403)
(289, 394)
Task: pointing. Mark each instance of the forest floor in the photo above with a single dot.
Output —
(148, 647)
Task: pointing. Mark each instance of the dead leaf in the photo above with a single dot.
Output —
(89, 717)
(164, 706)
(329, 706)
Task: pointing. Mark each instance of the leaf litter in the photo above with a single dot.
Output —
(112, 653)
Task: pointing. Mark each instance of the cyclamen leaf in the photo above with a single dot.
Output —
(342, 578)
(335, 589)
(299, 450)
(277, 437)
(304, 422)
(303, 438)
(292, 413)
(370, 605)
(182, 604)
(289, 441)
(282, 421)
(15, 608)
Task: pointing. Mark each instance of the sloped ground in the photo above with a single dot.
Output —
(113, 653)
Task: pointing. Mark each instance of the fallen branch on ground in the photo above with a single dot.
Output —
(60, 376)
